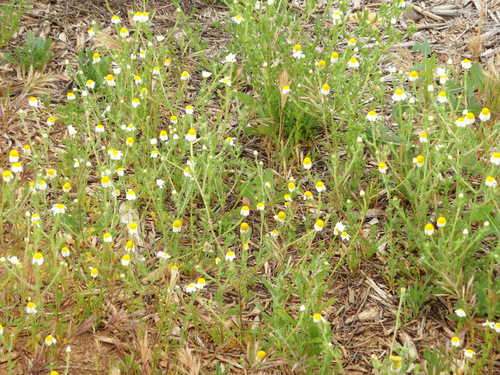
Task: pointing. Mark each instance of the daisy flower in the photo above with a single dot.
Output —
(125, 260)
(413, 76)
(261, 206)
(65, 252)
(372, 116)
(469, 353)
(7, 176)
(90, 84)
(455, 341)
(442, 98)
(382, 167)
(131, 195)
(191, 135)
(107, 237)
(37, 259)
(396, 363)
(399, 96)
(115, 20)
(461, 123)
(124, 32)
(308, 196)
(226, 80)
(94, 272)
(297, 52)
(460, 313)
(441, 222)
(495, 158)
(466, 64)
(58, 209)
(470, 118)
(337, 17)
(325, 89)
(260, 355)
(244, 228)
(238, 19)
(353, 63)
(419, 160)
(176, 226)
(14, 156)
(429, 229)
(317, 318)
(319, 225)
(91, 33)
(422, 137)
(185, 76)
(163, 135)
(190, 288)
(491, 182)
(33, 102)
(132, 228)
(187, 171)
(320, 186)
(49, 340)
(189, 110)
(285, 90)
(351, 42)
(110, 80)
(31, 308)
(205, 74)
(274, 233)
(245, 211)
(230, 58)
(50, 173)
(280, 217)
(485, 114)
(334, 57)
(230, 256)
(130, 247)
(66, 187)
(339, 228)
(230, 141)
(307, 164)
(201, 283)
(136, 103)
(345, 236)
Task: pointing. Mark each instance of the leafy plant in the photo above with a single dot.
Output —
(11, 14)
(34, 54)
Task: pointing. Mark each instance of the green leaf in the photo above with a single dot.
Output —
(425, 47)
(284, 315)
(477, 76)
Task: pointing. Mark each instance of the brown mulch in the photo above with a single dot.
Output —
(364, 316)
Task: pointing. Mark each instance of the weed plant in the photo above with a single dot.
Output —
(138, 206)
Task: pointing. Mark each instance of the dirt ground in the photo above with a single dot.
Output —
(364, 316)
